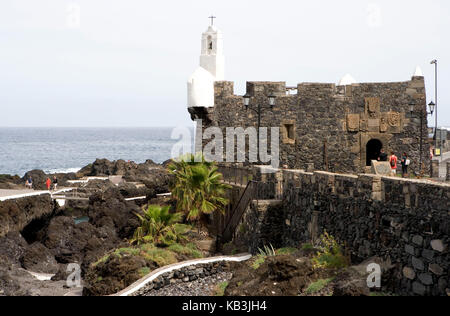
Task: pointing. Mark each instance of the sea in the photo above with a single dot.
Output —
(62, 150)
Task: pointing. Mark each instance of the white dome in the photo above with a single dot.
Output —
(347, 80)
(201, 74)
(418, 72)
(201, 88)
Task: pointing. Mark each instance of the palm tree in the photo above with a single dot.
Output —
(158, 225)
(198, 187)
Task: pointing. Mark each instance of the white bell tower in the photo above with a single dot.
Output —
(212, 68)
(212, 58)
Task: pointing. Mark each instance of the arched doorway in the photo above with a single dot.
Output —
(373, 149)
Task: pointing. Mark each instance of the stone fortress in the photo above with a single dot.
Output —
(334, 131)
(334, 127)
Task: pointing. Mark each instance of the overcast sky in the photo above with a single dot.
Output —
(126, 63)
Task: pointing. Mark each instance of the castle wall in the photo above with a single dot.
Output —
(406, 223)
(332, 125)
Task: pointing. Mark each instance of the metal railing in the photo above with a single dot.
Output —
(255, 191)
(236, 175)
(238, 212)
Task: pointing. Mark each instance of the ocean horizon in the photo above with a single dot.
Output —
(68, 149)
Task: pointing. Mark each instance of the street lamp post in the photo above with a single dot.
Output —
(258, 110)
(435, 63)
(423, 113)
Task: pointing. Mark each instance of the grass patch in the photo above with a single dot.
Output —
(330, 254)
(162, 257)
(144, 271)
(318, 285)
(258, 262)
(307, 247)
(101, 260)
(220, 289)
(126, 252)
(286, 251)
(188, 250)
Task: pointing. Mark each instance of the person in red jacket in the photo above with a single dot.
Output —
(48, 183)
(393, 162)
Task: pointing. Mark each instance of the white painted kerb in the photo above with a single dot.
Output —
(35, 193)
(155, 274)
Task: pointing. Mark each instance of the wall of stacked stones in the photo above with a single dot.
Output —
(319, 113)
(404, 222)
(183, 275)
(408, 227)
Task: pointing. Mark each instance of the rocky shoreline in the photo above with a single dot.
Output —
(39, 236)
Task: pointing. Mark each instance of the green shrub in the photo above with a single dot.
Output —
(198, 188)
(220, 289)
(127, 252)
(286, 251)
(144, 271)
(258, 262)
(318, 285)
(307, 246)
(267, 251)
(158, 225)
(188, 250)
(329, 254)
(101, 260)
(162, 257)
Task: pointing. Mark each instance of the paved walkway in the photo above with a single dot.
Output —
(443, 164)
(18, 194)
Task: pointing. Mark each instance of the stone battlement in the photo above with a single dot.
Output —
(336, 128)
(255, 88)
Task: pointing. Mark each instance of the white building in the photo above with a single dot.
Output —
(212, 68)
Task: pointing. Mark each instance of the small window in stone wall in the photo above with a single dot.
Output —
(288, 132)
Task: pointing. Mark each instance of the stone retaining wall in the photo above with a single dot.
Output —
(179, 272)
(404, 222)
(186, 274)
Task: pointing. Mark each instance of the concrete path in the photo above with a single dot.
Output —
(443, 164)
(18, 194)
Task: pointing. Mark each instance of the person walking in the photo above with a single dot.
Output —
(383, 156)
(393, 162)
(55, 183)
(29, 183)
(48, 183)
(405, 163)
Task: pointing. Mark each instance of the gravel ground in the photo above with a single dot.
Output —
(200, 287)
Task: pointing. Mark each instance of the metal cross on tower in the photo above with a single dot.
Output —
(212, 17)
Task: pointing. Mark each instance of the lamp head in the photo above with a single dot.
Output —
(432, 106)
(272, 100)
(412, 106)
(247, 100)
